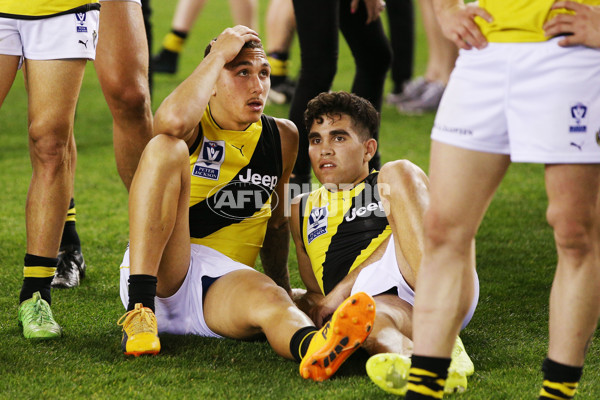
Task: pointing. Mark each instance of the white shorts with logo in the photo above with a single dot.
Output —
(538, 102)
(183, 313)
(53, 38)
(384, 274)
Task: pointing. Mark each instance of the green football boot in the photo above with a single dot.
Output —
(35, 316)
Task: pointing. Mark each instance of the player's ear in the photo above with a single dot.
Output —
(370, 149)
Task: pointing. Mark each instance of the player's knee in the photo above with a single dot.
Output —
(49, 142)
(164, 151)
(441, 231)
(273, 301)
(397, 179)
(573, 229)
(130, 99)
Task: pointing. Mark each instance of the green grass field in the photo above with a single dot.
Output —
(506, 339)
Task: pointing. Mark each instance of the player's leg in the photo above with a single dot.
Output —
(122, 67)
(372, 55)
(8, 71)
(317, 26)
(574, 214)
(71, 265)
(280, 26)
(244, 303)
(53, 88)
(403, 189)
(186, 13)
(442, 54)
(244, 12)
(462, 183)
(159, 251)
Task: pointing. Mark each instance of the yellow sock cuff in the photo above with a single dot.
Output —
(71, 215)
(559, 390)
(173, 43)
(278, 67)
(38, 272)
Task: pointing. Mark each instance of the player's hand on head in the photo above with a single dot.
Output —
(583, 27)
(458, 25)
(231, 40)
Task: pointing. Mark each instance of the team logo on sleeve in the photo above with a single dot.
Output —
(578, 116)
(210, 159)
(80, 21)
(317, 223)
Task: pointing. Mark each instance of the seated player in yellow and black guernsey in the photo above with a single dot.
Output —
(362, 231)
(202, 203)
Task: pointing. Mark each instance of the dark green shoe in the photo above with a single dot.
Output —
(35, 316)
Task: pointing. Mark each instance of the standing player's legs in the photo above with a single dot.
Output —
(317, 26)
(122, 67)
(53, 88)
(462, 183)
(574, 214)
(8, 71)
(372, 55)
(53, 91)
(245, 12)
(280, 26)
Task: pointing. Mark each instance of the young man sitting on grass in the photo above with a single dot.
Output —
(202, 204)
(362, 231)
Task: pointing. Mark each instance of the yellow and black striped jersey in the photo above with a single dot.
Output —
(519, 20)
(37, 9)
(340, 230)
(234, 174)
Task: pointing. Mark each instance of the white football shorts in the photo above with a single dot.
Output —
(182, 313)
(538, 102)
(53, 38)
(384, 274)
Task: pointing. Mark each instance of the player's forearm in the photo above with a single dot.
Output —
(182, 110)
(274, 255)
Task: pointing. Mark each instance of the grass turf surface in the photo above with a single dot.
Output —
(506, 339)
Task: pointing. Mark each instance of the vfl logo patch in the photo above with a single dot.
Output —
(210, 159)
(80, 21)
(317, 223)
(578, 115)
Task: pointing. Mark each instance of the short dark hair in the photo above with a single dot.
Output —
(360, 110)
(247, 45)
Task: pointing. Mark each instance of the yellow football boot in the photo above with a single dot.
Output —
(140, 332)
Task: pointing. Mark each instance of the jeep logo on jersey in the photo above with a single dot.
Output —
(209, 161)
(365, 211)
(317, 223)
(239, 200)
(578, 114)
(267, 181)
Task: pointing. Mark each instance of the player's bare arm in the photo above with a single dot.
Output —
(457, 22)
(275, 250)
(313, 292)
(180, 113)
(317, 306)
(583, 27)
